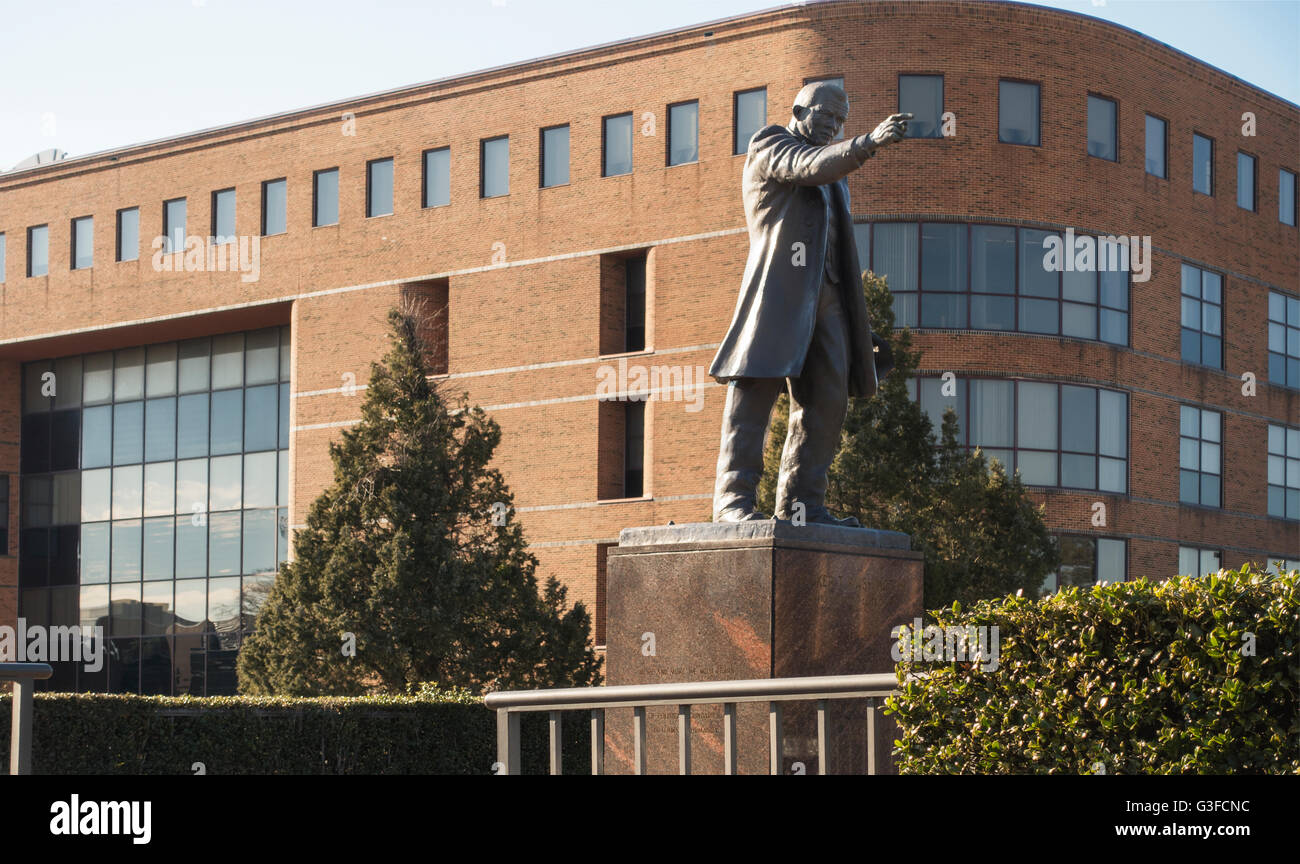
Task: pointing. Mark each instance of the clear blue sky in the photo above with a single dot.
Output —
(97, 74)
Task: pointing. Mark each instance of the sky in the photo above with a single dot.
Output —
(94, 75)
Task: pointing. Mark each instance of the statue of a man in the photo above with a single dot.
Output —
(801, 318)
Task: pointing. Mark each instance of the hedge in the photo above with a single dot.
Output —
(1122, 678)
(437, 732)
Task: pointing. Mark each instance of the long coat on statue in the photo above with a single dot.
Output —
(791, 190)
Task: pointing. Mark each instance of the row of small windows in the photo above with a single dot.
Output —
(1019, 122)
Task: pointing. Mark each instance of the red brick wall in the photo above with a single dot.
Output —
(525, 340)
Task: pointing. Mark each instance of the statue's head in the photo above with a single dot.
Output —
(820, 110)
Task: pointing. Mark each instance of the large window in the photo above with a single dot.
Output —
(1286, 196)
(1087, 561)
(1283, 472)
(1202, 164)
(1157, 152)
(616, 145)
(325, 197)
(38, 250)
(437, 177)
(1283, 340)
(494, 171)
(223, 216)
(1054, 434)
(750, 115)
(154, 488)
(1245, 181)
(1194, 561)
(1202, 317)
(379, 187)
(1200, 456)
(83, 242)
(1103, 128)
(922, 97)
(555, 156)
(174, 225)
(999, 277)
(128, 234)
(275, 207)
(684, 133)
(1018, 115)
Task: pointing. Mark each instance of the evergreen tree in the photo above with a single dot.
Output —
(980, 533)
(413, 557)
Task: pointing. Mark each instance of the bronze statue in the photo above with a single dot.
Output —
(801, 318)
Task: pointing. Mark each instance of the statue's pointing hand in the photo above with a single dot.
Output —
(891, 130)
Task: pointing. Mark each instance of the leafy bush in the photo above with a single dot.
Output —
(432, 732)
(1125, 678)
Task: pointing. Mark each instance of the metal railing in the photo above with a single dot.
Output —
(510, 705)
(24, 677)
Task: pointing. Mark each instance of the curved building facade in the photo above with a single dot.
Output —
(187, 323)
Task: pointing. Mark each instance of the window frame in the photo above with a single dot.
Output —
(266, 184)
(541, 157)
(222, 239)
(1281, 171)
(31, 231)
(424, 177)
(1114, 129)
(1200, 442)
(1038, 86)
(1287, 327)
(1254, 181)
(1212, 178)
(482, 166)
(1164, 135)
(1286, 457)
(1200, 550)
(117, 231)
(604, 143)
(1096, 557)
(315, 197)
(736, 149)
(1222, 304)
(668, 137)
(72, 245)
(392, 202)
(898, 85)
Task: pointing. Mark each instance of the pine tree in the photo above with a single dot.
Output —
(411, 568)
(980, 533)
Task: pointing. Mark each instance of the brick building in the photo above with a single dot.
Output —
(570, 221)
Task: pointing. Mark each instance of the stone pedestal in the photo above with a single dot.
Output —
(711, 602)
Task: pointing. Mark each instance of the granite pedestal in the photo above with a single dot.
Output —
(710, 602)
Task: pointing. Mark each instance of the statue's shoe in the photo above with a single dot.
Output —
(741, 514)
(828, 519)
(822, 516)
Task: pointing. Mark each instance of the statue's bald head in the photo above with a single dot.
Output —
(820, 110)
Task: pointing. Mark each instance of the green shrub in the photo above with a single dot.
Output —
(433, 732)
(1126, 678)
